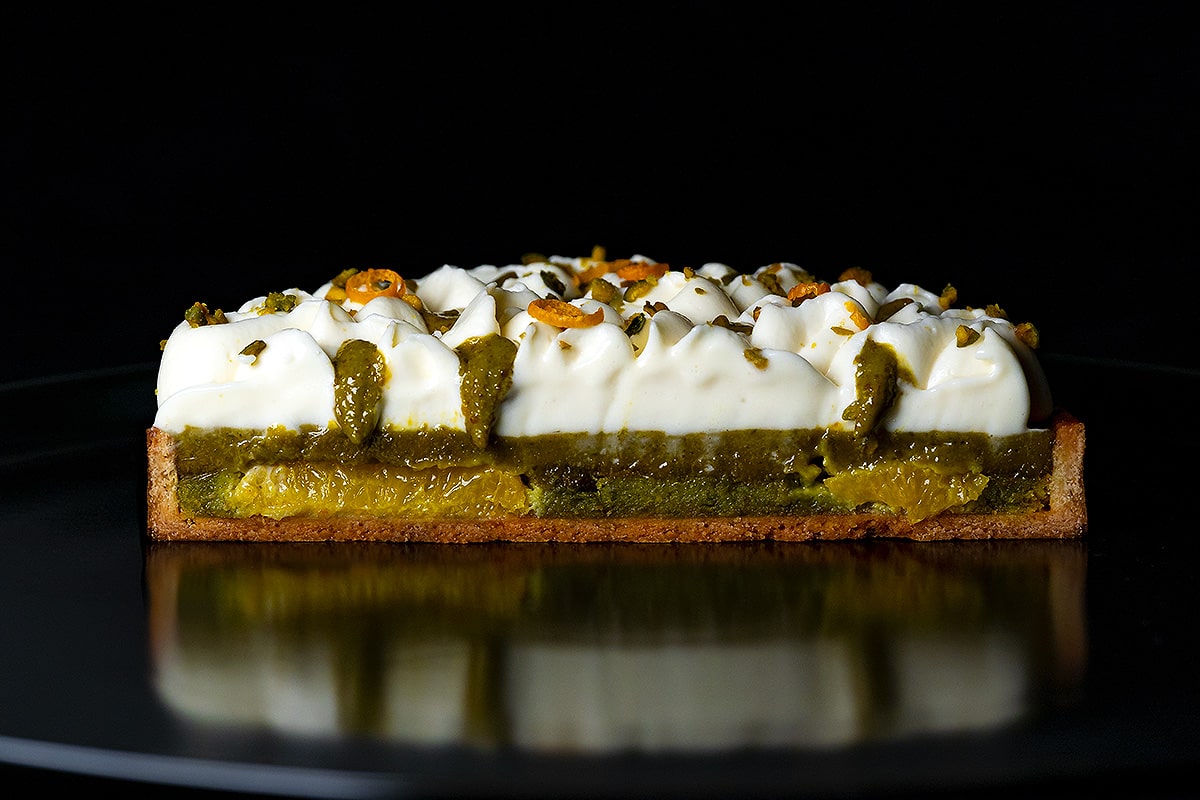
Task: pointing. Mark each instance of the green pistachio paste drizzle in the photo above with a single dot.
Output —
(359, 372)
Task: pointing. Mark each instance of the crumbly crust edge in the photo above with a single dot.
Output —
(1065, 518)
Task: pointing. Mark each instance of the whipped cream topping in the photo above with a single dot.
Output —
(681, 351)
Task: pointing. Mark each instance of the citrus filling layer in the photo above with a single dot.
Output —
(336, 490)
(437, 475)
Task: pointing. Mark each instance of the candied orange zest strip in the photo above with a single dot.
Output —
(562, 314)
(365, 286)
(640, 270)
(804, 291)
(857, 316)
(862, 276)
(594, 270)
(592, 267)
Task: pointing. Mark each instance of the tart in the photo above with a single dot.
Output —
(588, 399)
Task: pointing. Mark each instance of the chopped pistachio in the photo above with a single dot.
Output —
(1028, 335)
(604, 292)
(635, 324)
(438, 322)
(755, 356)
(553, 283)
(888, 309)
(253, 349)
(722, 321)
(653, 308)
(640, 288)
(340, 279)
(948, 297)
(199, 315)
(278, 301)
(770, 282)
(965, 337)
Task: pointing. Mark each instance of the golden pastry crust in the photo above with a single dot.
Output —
(1066, 516)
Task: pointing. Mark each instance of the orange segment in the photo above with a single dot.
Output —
(916, 490)
(365, 286)
(324, 490)
(563, 315)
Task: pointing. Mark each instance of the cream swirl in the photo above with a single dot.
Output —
(687, 351)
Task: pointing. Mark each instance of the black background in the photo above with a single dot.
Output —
(1041, 157)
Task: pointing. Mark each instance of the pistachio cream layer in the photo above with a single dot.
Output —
(587, 387)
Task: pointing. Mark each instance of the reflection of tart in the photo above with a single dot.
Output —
(585, 399)
(551, 647)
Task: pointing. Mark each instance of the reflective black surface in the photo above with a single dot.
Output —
(595, 650)
(389, 670)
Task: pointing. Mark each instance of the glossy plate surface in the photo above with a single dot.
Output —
(382, 670)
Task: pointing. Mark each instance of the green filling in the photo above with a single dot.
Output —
(359, 372)
(486, 369)
(746, 455)
(645, 496)
(875, 380)
(210, 450)
(209, 494)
